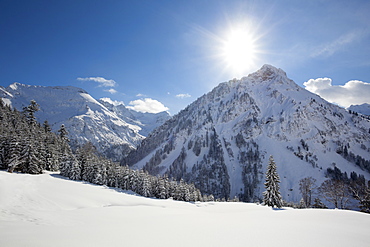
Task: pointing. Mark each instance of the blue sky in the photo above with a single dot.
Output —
(165, 54)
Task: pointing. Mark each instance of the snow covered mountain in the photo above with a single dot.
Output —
(146, 121)
(362, 109)
(222, 141)
(85, 118)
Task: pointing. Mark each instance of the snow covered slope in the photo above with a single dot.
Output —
(362, 109)
(85, 118)
(48, 210)
(146, 121)
(223, 140)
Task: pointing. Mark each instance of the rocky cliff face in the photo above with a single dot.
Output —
(222, 141)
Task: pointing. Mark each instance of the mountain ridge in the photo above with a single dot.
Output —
(362, 109)
(146, 121)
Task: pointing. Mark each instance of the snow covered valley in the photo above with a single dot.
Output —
(49, 210)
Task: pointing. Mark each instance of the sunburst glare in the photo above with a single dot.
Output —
(239, 51)
(234, 49)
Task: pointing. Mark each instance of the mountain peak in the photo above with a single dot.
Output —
(269, 75)
(15, 85)
(267, 72)
(112, 102)
(269, 67)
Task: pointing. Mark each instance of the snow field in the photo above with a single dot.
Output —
(48, 210)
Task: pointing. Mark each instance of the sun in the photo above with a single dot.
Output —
(239, 50)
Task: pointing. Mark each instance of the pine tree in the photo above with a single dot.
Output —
(46, 126)
(145, 186)
(132, 180)
(14, 151)
(113, 174)
(99, 173)
(272, 197)
(63, 133)
(162, 189)
(75, 172)
(51, 157)
(30, 110)
(30, 163)
(177, 195)
(124, 177)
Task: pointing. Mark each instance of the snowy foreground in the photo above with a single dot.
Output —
(48, 210)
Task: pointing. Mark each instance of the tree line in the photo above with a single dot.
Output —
(89, 166)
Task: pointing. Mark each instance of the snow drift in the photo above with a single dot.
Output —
(48, 210)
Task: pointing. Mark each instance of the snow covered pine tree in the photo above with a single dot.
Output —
(272, 197)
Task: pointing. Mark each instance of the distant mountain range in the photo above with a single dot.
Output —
(222, 141)
(113, 129)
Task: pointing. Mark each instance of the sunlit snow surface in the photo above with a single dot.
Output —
(48, 210)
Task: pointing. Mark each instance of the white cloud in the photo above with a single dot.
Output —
(352, 93)
(112, 102)
(330, 48)
(147, 105)
(183, 95)
(102, 81)
(111, 90)
(140, 95)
